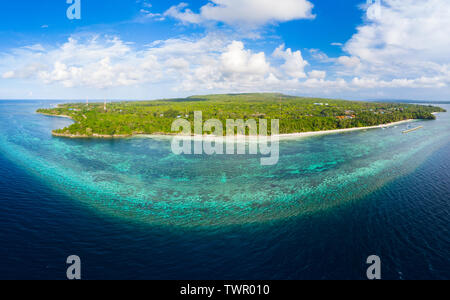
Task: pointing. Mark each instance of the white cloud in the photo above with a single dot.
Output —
(422, 82)
(26, 71)
(403, 50)
(184, 14)
(237, 60)
(407, 38)
(349, 62)
(319, 56)
(317, 74)
(93, 63)
(206, 63)
(294, 65)
(35, 47)
(146, 14)
(177, 63)
(244, 12)
(8, 75)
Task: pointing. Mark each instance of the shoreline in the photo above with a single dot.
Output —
(74, 136)
(285, 136)
(335, 131)
(93, 136)
(58, 116)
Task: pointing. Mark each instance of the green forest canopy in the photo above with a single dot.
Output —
(296, 114)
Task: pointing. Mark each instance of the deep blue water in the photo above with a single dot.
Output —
(397, 209)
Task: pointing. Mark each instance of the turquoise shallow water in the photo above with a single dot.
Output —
(140, 178)
(132, 210)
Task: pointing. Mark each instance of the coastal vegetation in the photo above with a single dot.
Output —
(296, 114)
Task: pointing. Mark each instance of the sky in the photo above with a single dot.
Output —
(144, 49)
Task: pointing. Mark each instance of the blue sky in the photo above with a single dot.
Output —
(139, 49)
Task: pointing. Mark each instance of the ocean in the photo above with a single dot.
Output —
(131, 209)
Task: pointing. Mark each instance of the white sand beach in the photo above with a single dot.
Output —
(279, 136)
(314, 133)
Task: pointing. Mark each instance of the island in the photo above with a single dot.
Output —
(296, 114)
